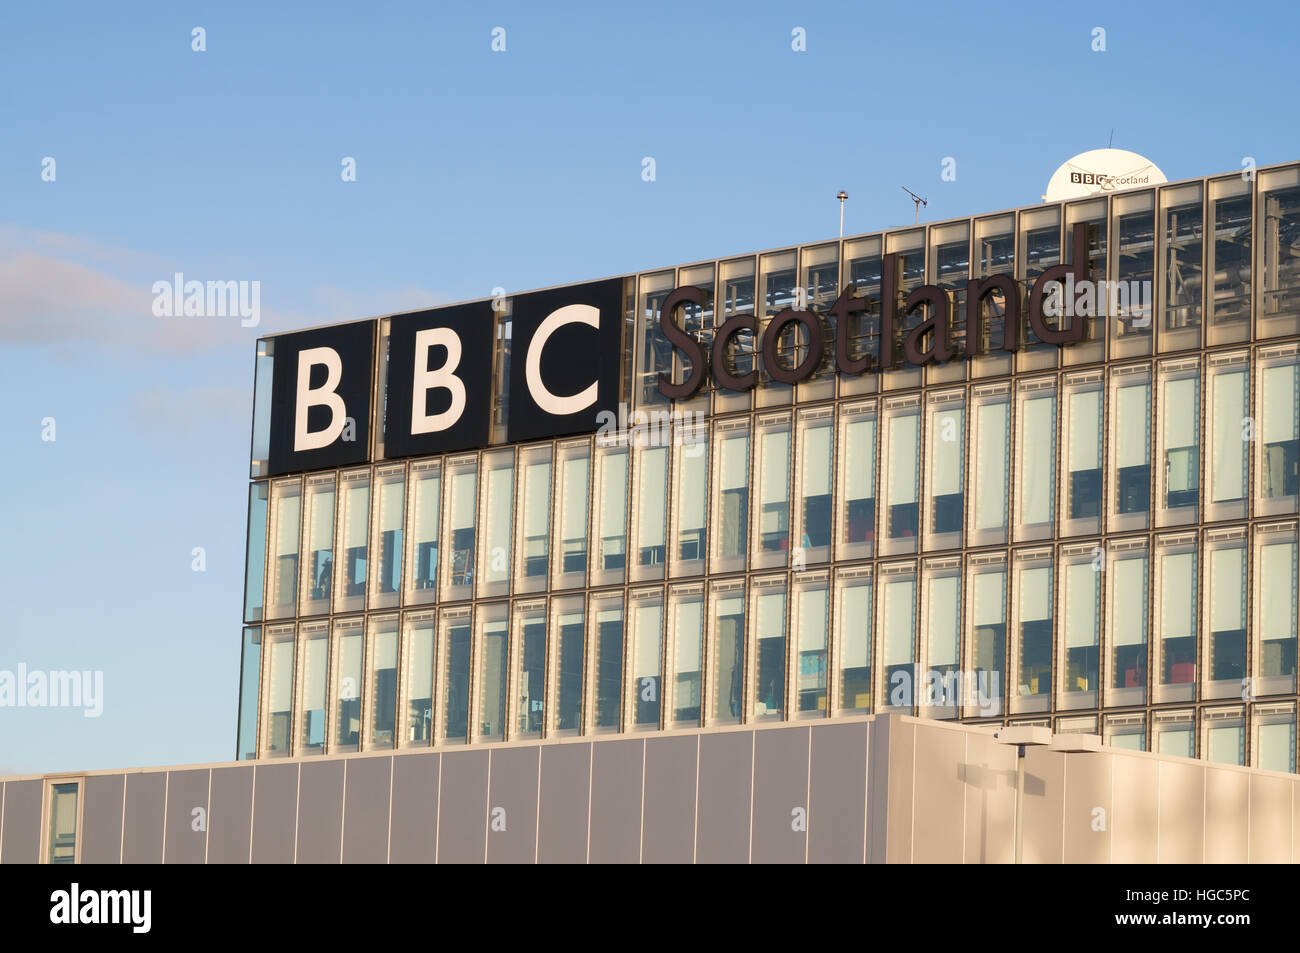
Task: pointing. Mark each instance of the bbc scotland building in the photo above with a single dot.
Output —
(793, 531)
(1096, 535)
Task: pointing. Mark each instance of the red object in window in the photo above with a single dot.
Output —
(1133, 679)
(1180, 673)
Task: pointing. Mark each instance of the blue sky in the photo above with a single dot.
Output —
(475, 169)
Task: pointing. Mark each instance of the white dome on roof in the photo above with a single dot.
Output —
(1100, 171)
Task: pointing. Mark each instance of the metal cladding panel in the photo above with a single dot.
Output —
(413, 833)
(616, 795)
(781, 810)
(101, 819)
(187, 809)
(668, 814)
(563, 816)
(989, 773)
(1087, 808)
(724, 809)
(838, 794)
(320, 812)
(1227, 816)
(366, 806)
(939, 803)
(275, 812)
(22, 826)
(1044, 805)
(1133, 821)
(1181, 826)
(142, 837)
(512, 805)
(1270, 820)
(230, 815)
(462, 807)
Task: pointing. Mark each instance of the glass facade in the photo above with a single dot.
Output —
(1102, 531)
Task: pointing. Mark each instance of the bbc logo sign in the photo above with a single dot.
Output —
(566, 346)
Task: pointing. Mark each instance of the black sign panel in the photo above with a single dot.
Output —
(439, 380)
(320, 398)
(564, 359)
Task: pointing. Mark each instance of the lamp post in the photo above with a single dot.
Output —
(842, 196)
(1022, 736)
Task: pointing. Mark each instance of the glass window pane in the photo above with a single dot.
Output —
(381, 683)
(282, 584)
(1229, 438)
(1175, 734)
(611, 517)
(1277, 601)
(1279, 405)
(856, 493)
(651, 495)
(811, 619)
(530, 670)
(1275, 740)
(940, 689)
(1228, 263)
(987, 587)
(686, 630)
(1082, 634)
(1181, 245)
(534, 519)
(249, 678)
(1127, 612)
(567, 639)
(63, 823)
(255, 564)
(490, 708)
(645, 655)
(992, 456)
(417, 672)
(654, 354)
(1036, 453)
(1179, 435)
(946, 438)
(313, 661)
(454, 669)
(1176, 582)
(767, 604)
(853, 640)
(607, 662)
(318, 534)
(386, 581)
(772, 520)
(422, 554)
(498, 508)
(1225, 737)
(731, 496)
(1082, 490)
(1226, 645)
(1279, 251)
(1131, 449)
(898, 626)
(278, 710)
(354, 509)
(691, 460)
(901, 476)
(461, 534)
(573, 469)
(816, 435)
(726, 653)
(346, 685)
(1033, 651)
(1131, 301)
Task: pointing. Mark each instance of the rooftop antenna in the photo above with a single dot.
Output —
(917, 200)
(842, 195)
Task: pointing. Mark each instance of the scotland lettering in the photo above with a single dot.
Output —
(930, 341)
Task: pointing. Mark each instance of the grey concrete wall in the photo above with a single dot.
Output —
(883, 789)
